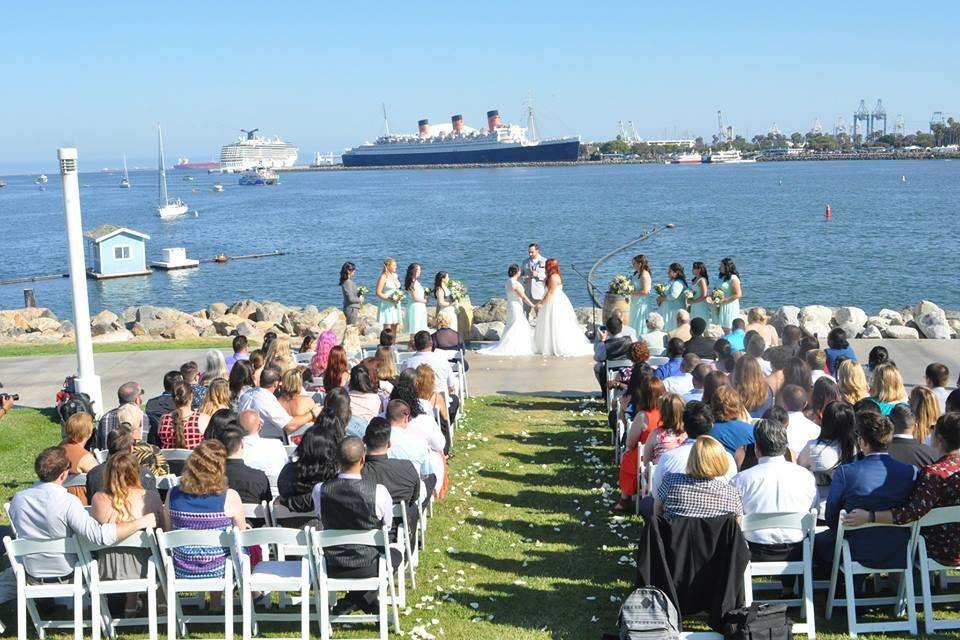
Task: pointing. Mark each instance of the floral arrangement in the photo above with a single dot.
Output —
(717, 296)
(660, 288)
(362, 290)
(621, 285)
(688, 294)
(397, 296)
(458, 290)
(427, 292)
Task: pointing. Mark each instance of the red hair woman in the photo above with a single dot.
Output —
(558, 332)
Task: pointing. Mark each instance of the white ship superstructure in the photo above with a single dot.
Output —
(729, 156)
(251, 151)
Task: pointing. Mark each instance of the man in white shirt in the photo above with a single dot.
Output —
(266, 454)
(938, 375)
(403, 444)
(277, 423)
(445, 382)
(800, 429)
(697, 376)
(683, 383)
(775, 485)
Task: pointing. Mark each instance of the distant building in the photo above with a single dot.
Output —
(114, 252)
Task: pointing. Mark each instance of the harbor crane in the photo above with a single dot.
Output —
(621, 135)
(817, 129)
(936, 119)
(878, 113)
(862, 114)
(632, 131)
(900, 127)
(775, 130)
(724, 134)
(840, 128)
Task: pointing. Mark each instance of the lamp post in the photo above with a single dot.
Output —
(87, 381)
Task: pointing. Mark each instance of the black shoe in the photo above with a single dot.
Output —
(344, 607)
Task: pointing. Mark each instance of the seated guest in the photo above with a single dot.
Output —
(886, 387)
(406, 445)
(257, 359)
(217, 397)
(777, 357)
(251, 484)
(123, 498)
(446, 380)
(953, 401)
(937, 376)
(725, 361)
(638, 354)
(316, 462)
(337, 403)
(277, 423)
(241, 380)
(937, 486)
(446, 339)
(791, 337)
(191, 375)
(825, 391)
(801, 429)
(757, 321)
(877, 356)
(905, 446)
(266, 454)
(816, 359)
(613, 344)
(180, 429)
(353, 503)
(388, 337)
(683, 383)
(220, 420)
(241, 351)
(148, 456)
(749, 380)
(46, 511)
(673, 366)
(326, 341)
(682, 330)
(280, 354)
(756, 348)
(432, 421)
(774, 485)
(852, 382)
(365, 400)
(713, 381)
(737, 335)
(129, 393)
(337, 373)
(698, 377)
(670, 434)
(399, 477)
(729, 428)
(76, 433)
(703, 489)
(290, 394)
(875, 483)
(926, 409)
(386, 368)
(697, 343)
(838, 347)
(797, 371)
(836, 445)
(640, 406)
(214, 368)
(655, 336)
(121, 442)
(161, 405)
(307, 344)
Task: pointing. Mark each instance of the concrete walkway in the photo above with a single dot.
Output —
(38, 379)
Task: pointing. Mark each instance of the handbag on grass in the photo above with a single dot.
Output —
(759, 622)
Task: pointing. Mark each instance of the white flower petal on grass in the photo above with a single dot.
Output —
(594, 619)
(474, 605)
(591, 598)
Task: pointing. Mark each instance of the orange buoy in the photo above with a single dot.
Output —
(828, 214)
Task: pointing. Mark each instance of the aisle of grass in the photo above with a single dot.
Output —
(524, 545)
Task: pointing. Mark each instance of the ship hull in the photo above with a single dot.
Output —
(558, 151)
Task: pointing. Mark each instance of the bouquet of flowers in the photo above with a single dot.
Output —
(660, 288)
(397, 296)
(458, 290)
(362, 290)
(688, 294)
(427, 292)
(717, 296)
(621, 285)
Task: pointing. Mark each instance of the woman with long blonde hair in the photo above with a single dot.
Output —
(216, 398)
(852, 381)
(886, 388)
(429, 398)
(749, 380)
(387, 285)
(280, 354)
(386, 368)
(290, 394)
(926, 407)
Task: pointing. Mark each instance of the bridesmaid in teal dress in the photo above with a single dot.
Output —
(416, 301)
(672, 299)
(699, 307)
(639, 299)
(729, 307)
(387, 284)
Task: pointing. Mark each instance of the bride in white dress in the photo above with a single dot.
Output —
(517, 339)
(558, 333)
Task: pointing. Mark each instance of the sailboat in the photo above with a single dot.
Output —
(125, 180)
(167, 208)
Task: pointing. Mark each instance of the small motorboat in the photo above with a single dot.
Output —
(218, 187)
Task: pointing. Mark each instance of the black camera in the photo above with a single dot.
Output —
(9, 396)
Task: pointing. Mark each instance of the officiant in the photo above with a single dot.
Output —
(534, 275)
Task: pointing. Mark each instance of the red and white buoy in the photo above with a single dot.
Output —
(828, 214)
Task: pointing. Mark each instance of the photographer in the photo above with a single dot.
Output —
(6, 402)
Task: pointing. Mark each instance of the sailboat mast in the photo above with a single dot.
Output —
(163, 171)
(126, 174)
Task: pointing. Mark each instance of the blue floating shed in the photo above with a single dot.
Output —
(115, 252)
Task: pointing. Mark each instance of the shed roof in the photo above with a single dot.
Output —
(107, 231)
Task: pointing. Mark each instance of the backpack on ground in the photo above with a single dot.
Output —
(759, 622)
(648, 613)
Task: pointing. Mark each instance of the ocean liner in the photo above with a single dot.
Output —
(456, 143)
(251, 151)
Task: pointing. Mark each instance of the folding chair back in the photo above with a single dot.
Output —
(279, 513)
(176, 458)
(291, 450)
(304, 357)
(6, 510)
(100, 455)
(75, 480)
(935, 517)
(611, 367)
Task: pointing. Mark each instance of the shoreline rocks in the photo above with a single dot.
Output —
(253, 318)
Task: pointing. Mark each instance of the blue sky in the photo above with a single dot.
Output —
(100, 75)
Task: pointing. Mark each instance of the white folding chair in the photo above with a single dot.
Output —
(463, 372)
(167, 482)
(644, 480)
(27, 593)
(6, 509)
(100, 455)
(176, 458)
(75, 480)
(657, 360)
(282, 575)
(926, 565)
(843, 561)
(610, 368)
(403, 546)
(304, 357)
(382, 582)
(422, 515)
(142, 541)
(291, 450)
(619, 435)
(278, 513)
(805, 523)
(170, 541)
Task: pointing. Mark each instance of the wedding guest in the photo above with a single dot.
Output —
(729, 307)
(191, 375)
(670, 433)
(268, 339)
(290, 394)
(76, 432)
(180, 429)
(216, 398)
(791, 337)
(838, 346)
(646, 402)
(713, 381)
(417, 303)
(729, 427)
(816, 359)
(697, 343)
(797, 371)
(777, 357)
(654, 336)
(672, 366)
(800, 429)
(737, 335)
(824, 392)
(277, 423)
(241, 351)
(937, 377)
(906, 446)
(682, 330)
(926, 408)
(886, 387)
(638, 354)
(220, 420)
(337, 404)
(316, 462)
(365, 401)
(266, 454)
(252, 485)
(337, 372)
(672, 300)
(757, 321)
(386, 368)
(325, 342)
(877, 356)
(683, 383)
(749, 380)
(388, 286)
(724, 360)
(280, 354)
(351, 297)
(703, 490)
(852, 382)
(699, 378)
(699, 303)
(639, 298)
(756, 348)
(241, 379)
(953, 401)
(307, 344)
(257, 359)
(430, 400)
(835, 445)
(446, 339)
(445, 304)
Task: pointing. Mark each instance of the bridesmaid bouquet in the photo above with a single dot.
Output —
(621, 285)
(688, 295)
(660, 288)
(427, 292)
(717, 296)
(458, 290)
(397, 296)
(362, 290)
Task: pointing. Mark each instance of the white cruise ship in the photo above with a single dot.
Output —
(730, 156)
(251, 151)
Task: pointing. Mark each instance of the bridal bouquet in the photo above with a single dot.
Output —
(362, 290)
(660, 288)
(458, 290)
(621, 285)
(427, 292)
(717, 296)
(688, 294)
(397, 296)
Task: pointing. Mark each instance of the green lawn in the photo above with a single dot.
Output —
(13, 349)
(523, 546)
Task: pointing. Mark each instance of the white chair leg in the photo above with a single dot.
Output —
(324, 606)
(152, 609)
(809, 614)
(927, 597)
(911, 598)
(393, 594)
(171, 608)
(21, 612)
(95, 617)
(228, 600)
(850, 597)
(304, 601)
(384, 619)
(78, 607)
(747, 586)
(247, 608)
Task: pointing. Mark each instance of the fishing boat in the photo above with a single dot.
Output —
(125, 180)
(261, 176)
(166, 208)
(41, 179)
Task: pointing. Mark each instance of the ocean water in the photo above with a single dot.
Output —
(890, 242)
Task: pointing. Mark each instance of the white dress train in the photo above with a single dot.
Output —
(558, 333)
(517, 338)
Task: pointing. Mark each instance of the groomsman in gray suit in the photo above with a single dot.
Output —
(534, 274)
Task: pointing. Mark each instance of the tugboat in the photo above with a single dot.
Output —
(260, 176)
